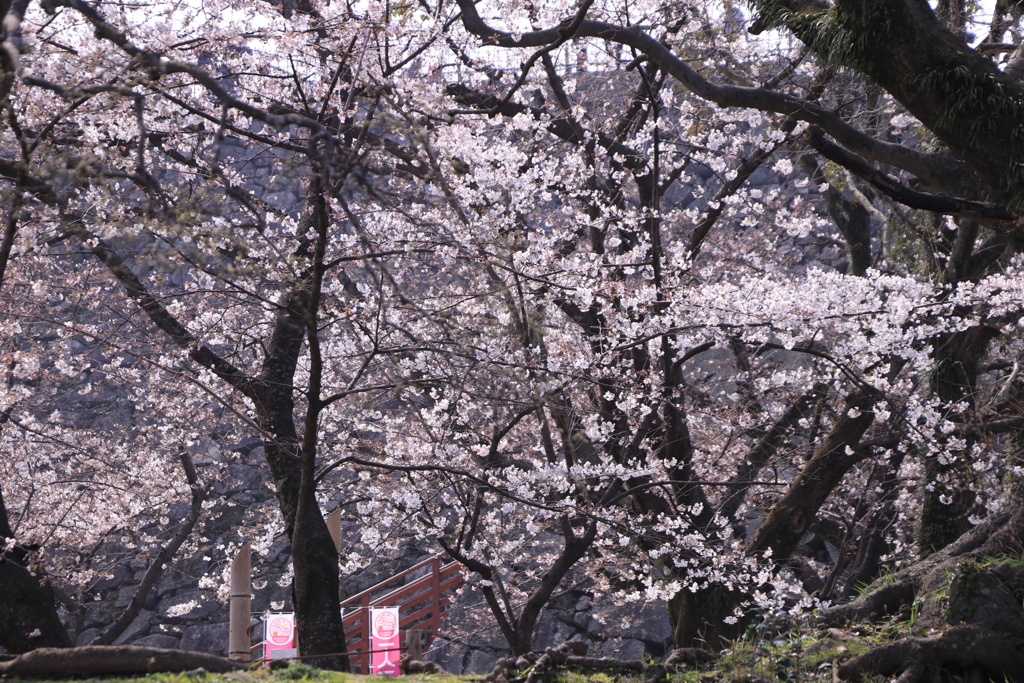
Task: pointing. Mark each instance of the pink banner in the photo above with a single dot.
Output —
(384, 641)
(279, 636)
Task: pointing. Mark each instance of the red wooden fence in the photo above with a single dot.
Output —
(422, 602)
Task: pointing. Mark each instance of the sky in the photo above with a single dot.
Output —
(983, 19)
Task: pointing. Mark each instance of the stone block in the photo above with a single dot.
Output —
(86, 636)
(623, 649)
(480, 662)
(211, 638)
(205, 606)
(119, 576)
(582, 620)
(648, 622)
(124, 596)
(158, 640)
(100, 613)
(138, 628)
(550, 632)
(172, 581)
(449, 656)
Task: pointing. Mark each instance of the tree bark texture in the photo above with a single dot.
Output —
(27, 601)
(959, 95)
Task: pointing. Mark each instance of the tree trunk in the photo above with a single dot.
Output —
(793, 514)
(973, 585)
(698, 617)
(318, 616)
(945, 490)
(27, 603)
(104, 660)
(958, 94)
(518, 630)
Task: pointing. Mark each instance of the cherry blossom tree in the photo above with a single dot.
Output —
(961, 258)
(502, 266)
(869, 432)
(146, 206)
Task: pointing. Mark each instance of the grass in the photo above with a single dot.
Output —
(595, 677)
(886, 577)
(1015, 560)
(778, 647)
(290, 674)
(801, 655)
(770, 651)
(783, 654)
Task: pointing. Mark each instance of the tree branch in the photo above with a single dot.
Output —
(155, 570)
(938, 169)
(156, 311)
(991, 213)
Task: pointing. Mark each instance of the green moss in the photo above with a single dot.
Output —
(577, 677)
(603, 677)
(964, 585)
(803, 654)
(842, 38)
(301, 672)
(981, 104)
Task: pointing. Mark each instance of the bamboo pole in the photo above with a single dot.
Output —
(240, 606)
(434, 624)
(334, 526)
(414, 644)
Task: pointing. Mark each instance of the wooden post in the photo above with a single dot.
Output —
(334, 526)
(414, 644)
(241, 605)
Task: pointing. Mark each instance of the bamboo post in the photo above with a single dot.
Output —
(365, 628)
(414, 644)
(241, 605)
(435, 590)
(334, 526)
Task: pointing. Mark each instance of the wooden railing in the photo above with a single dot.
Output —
(422, 603)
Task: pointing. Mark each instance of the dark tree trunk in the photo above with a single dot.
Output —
(945, 489)
(852, 219)
(27, 601)
(972, 585)
(793, 514)
(698, 617)
(318, 616)
(959, 95)
(105, 660)
(518, 629)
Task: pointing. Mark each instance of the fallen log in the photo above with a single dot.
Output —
(95, 660)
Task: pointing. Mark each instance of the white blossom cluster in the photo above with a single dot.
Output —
(521, 338)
